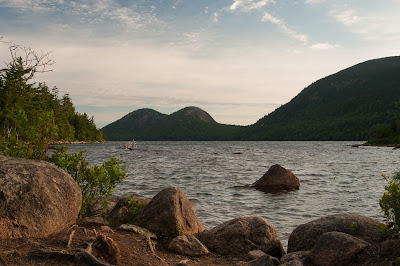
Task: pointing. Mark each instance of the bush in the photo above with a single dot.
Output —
(96, 182)
(390, 203)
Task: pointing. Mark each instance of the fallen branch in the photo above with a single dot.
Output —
(75, 257)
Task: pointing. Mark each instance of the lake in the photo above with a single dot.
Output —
(334, 177)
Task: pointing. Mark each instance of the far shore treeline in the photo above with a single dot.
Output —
(356, 104)
(359, 103)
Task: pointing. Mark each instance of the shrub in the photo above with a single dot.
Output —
(390, 203)
(135, 207)
(96, 182)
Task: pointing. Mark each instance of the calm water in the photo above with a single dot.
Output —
(334, 177)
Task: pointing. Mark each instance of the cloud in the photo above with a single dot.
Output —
(323, 46)
(215, 18)
(371, 26)
(282, 25)
(314, 1)
(247, 5)
(90, 12)
(346, 16)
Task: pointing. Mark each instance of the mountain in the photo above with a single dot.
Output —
(349, 105)
(190, 123)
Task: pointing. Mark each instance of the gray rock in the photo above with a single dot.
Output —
(336, 248)
(294, 263)
(277, 178)
(94, 220)
(188, 245)
(169, 213)
(306, 235)
(299, 256)
(241, 235)
(120, 215)
(37, 198)
(390, 247)
(255, 254)
(265, 260)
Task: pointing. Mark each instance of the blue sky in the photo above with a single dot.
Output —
(237, 59)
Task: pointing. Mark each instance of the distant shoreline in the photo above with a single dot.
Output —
(75, 142)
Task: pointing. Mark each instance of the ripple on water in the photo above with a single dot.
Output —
(335, 177)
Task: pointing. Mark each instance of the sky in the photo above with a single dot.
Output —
(236, 59)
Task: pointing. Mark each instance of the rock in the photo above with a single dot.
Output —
(390, 247)
(37, 198)
(106, 249)
(336, 248)
(169, 213)
(94, 220)
(120, 215)
(277, 178)
(302, 257)
(306, 235)
(188, 245)
(294, 263)
(255, 254)
(241, 235)
(265, 260)
(182, 264)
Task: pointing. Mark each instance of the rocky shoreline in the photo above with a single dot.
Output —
(39, 226)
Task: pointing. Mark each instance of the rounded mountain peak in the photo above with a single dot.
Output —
(196, 113)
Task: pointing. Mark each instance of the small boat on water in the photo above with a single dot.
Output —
(130, 145)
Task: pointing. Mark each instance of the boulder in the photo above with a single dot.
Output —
(390, 247)
(188, 245)
(169, 213)
(336, 248)
(297, 258)
(255, 254)
(277, 178)
(265, 260)
(241, 235)
(306, 235)
(37, 198)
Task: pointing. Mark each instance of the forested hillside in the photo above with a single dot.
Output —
(349, 105)
(190, 123)
(357, 103)
(32, 112)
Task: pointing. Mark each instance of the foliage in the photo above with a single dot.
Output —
(32, 115)
(181, 231)
(135, 207)
(390, 203)
(95, 181)
(190, 123)
(349, 105)
(388, 134)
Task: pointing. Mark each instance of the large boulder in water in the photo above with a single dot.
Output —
(306, 235)
(277, 178)
(36, 198)
(170, 213)
(241, 235)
